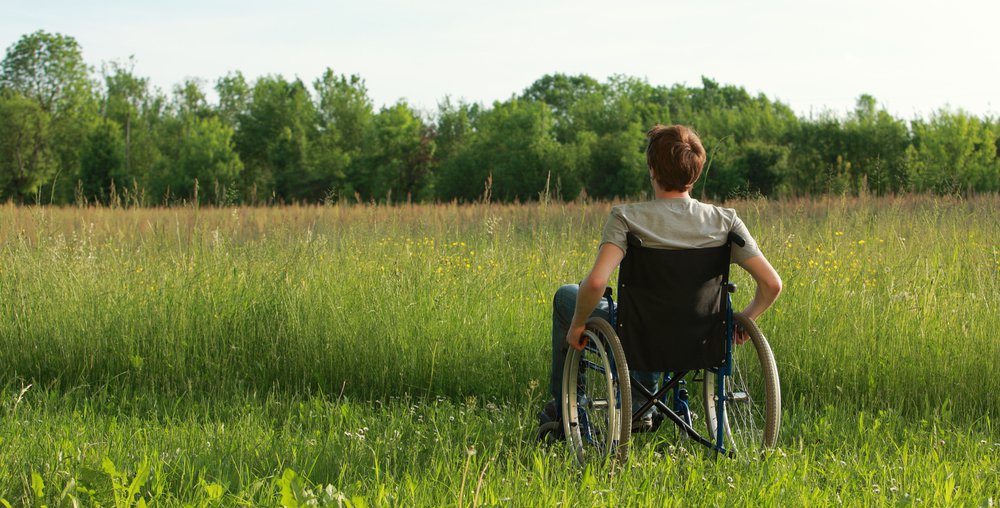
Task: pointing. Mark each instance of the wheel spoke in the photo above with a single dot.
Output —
(592, 366)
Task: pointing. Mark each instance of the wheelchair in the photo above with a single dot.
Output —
(675, 318)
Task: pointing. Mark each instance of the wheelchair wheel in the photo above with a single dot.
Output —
(596, 396)
(752, 416)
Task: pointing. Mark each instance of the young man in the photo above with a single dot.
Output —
(673, 220)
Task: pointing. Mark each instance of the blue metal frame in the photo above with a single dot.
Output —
(613, 320)
(723, 376)
(612, 310)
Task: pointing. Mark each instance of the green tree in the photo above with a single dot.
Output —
(129, 102)
(648, 105)
(399, 156)
(344, 105)
(560, 93)
(515, 148)
(609, 149)
(875, 143)
(956, 153)
(207, 155)
(816, 162)
(201, 162)
(102, 162)
(454, 127)
(26, 161)
(344, 119)
(49, 69)
(760, 168)
(613, 164)
(190, 99)
(234, 98)
(273, 139)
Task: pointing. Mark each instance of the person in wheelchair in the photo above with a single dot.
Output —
(673, 220)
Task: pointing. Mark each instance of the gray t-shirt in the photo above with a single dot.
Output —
(678, 223)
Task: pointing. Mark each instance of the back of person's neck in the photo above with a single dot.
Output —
(672, 194)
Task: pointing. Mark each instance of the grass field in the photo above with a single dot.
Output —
(373, 356)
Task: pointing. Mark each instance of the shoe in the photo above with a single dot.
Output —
(550, 429)
(549, 413)
(644, 424)
(657, 420)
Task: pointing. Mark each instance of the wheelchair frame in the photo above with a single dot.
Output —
(580, 431)
(680, 414)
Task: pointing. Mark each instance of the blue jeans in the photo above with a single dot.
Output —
(563, 306)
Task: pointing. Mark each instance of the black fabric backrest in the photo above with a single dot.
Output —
(670, 312)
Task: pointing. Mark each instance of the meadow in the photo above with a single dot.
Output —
(397, 356)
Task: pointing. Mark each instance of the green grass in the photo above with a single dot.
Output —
(397, 356)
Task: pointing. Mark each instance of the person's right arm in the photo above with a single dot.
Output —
(768, 288)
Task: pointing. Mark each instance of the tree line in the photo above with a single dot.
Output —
(69, 134)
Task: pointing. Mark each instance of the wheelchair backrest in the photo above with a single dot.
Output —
(672, 307)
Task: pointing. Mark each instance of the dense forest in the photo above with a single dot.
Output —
(70, 133)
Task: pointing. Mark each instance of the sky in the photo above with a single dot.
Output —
(915, 57)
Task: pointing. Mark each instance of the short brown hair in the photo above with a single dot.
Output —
(675, 155)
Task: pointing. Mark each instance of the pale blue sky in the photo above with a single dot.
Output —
(913, 56)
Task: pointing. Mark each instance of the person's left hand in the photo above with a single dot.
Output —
(575, 337)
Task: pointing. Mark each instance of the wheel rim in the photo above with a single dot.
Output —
(750, 416)
(592, 421)
(745, 416)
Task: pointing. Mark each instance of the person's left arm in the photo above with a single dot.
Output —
(592, 290)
